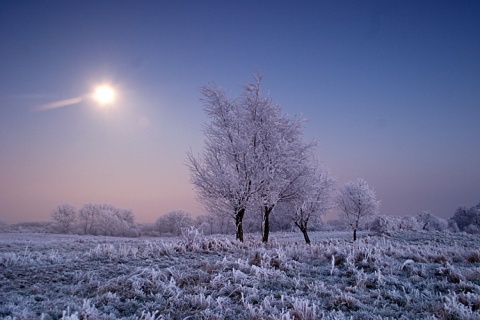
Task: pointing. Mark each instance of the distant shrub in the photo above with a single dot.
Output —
(430, 222)
(452, 226)
(472, 229)
(211, 223)
(172, 222)
(467, 220)
(385, 225)
(107, 220)
(65, 215)
(148, 229)
(389, 225)
(409, 223)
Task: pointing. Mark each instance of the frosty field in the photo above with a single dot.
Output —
(408, 276)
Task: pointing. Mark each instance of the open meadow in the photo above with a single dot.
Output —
(418, 275)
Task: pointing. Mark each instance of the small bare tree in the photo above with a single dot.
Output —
(357, 202)
(65, 215)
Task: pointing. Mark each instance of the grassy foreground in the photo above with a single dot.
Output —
(408, 276)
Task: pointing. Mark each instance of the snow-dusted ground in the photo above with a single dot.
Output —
(409, 276)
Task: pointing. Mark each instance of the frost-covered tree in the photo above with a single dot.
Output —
(87, 216)
(124, 220)
(357, 202)
(467, 219)
(283, 157)
(65, 215)
(253, 154)
(462, 217)
(223, 174)
(105, 219)
(173, 222)
(314, 199)
(280, 156)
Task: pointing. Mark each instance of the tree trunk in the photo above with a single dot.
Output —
(305, 235)
(354, 234)
(239, 224)
(266, 223)
(302, 225)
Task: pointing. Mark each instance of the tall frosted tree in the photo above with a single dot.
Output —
(253, 155)
(281, 158)
(223, 173)
(357, 202)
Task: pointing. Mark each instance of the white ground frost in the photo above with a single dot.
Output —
(409, 276)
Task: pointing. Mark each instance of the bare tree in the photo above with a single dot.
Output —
(65, 215)
(357, 202)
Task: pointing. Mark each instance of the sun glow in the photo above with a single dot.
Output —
(104, 94)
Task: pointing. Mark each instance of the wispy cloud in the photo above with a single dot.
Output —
(58, 104)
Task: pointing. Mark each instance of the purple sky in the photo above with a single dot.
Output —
(391, 90)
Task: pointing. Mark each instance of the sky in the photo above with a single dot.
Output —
(390, 89)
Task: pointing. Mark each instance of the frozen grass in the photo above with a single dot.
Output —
(410, 276)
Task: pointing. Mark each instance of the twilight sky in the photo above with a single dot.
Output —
(391, 91)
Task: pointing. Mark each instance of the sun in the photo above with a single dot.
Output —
(104, 94)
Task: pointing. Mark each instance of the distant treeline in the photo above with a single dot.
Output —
(103, 219)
